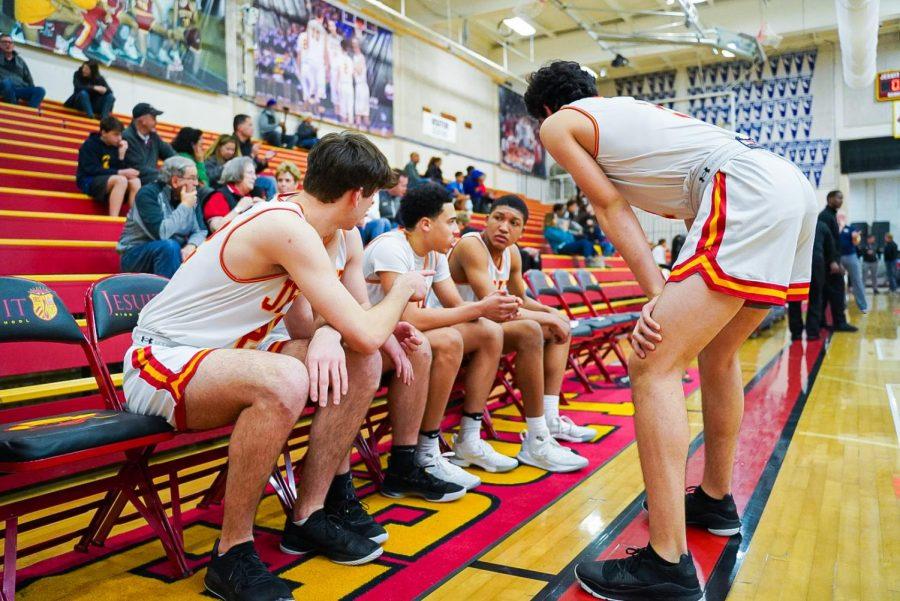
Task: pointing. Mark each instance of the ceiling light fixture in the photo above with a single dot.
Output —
(603, 72)
(520, 26)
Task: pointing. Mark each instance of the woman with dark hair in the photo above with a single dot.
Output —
(188, 142)
(92, 94)
(223, 150)
(433, 171)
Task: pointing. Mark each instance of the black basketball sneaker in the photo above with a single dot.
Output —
(343, 504)
(240, 575)
(718, 516)
(416, 482)
(324, 534)
(642, 576)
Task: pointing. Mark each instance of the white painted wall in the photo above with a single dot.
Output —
(423, 76)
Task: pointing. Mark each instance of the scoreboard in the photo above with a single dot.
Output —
(887, 86)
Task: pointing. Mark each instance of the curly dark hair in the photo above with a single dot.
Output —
(425, 200)
(556, 85)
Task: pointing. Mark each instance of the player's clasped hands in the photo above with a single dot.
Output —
(646, 331)
(415, 281)
(500, 306)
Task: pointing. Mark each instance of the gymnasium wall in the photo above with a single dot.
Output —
(424, 76)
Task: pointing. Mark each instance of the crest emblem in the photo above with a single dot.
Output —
(42, 303)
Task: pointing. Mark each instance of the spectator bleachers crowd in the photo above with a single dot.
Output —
(180, 186)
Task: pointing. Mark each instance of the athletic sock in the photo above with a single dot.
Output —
(551, 407)
(470, 426)
(428, 443)
(402, 460)
(537, 427)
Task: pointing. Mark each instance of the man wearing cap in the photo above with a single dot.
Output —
(145, 147)
(270, 129)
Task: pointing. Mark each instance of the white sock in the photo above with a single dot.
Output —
(551, 407)
(469, 428)
(428, 445)
(537, 427)
(303, 521)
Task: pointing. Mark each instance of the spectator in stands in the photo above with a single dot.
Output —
(288, 178)
(464, 221)
(565, 243)
(145, 147)
(412, 172)
(474, 186)
(870, 255)
(92, 94)
(307, 134)
(574, 211)
(889, 252)
(16, 82)
(659, 253)
(461, 200)
(163, 227)
(848, 241)
(433, 170)
(834, 287)
(567, 219)
(824, 254)
(224, 149)
(271, 129)
(236, 195)
(677, 243)
(389, 200)
(188, 142)
(102, 173)
(243, 131)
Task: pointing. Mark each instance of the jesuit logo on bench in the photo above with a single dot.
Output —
(42, 303)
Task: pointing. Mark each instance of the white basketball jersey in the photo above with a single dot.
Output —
(333, 47)
(206, 306)
(647, 151)
(316, 37)
(359, 69)
(499, 273)
(392, 252)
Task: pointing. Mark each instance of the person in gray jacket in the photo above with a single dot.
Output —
(145, 147)
(164, 226)
(16, 82)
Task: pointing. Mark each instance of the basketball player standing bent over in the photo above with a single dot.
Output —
(751, 217)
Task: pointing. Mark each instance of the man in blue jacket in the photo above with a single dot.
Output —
(102, 173)
(164, 226)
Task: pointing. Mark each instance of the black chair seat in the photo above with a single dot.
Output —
(41, 438)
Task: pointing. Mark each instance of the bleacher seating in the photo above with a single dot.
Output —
(52, 233)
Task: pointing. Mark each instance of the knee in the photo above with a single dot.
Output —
(447, 346)
(285, 387)
(82, 95)
(654, 365)
(364, 369)
(169, 247)
(118, 181)
(530, 336)
(134, 184)
(490, 335)
(422, 355)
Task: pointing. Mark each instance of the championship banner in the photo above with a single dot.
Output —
(316, 58)
(520, 145)
(180, 41)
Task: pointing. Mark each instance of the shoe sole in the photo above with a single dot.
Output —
(450, 496)
(559, 470)
(380, 539)
(608, 598)
(563, 438)
(487, 468)
(344, 562)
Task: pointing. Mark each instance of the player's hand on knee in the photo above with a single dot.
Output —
(646, 331)
(403, 369)
(326, 364)
(559, 329)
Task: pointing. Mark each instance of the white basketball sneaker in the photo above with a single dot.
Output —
(563, 428)
(481, 454)
(438, 466)
(547, 454)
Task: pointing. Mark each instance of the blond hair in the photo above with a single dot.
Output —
(289, 167)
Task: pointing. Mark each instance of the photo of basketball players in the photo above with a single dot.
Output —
(520, 145)
(181, 41)
(318, 59)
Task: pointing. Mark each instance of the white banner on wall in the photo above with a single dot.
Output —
(438, 127)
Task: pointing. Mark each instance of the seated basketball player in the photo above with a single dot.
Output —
(734, 265)
(462, 328)
(482, 263)
(193, 359)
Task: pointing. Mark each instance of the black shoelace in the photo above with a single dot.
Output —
(250, 571)
(352, 509)
(635, 556)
